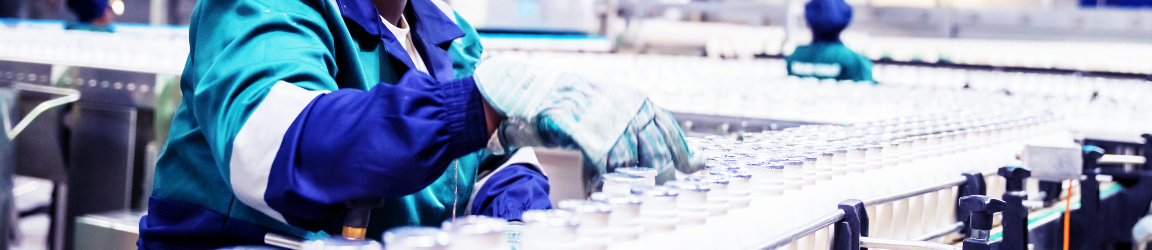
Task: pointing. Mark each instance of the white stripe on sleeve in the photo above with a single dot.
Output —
(259, 139)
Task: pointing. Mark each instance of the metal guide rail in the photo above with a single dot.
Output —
(975, 211)
(106, 86)
(797, 233)
(850, 221)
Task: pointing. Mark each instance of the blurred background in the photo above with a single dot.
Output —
(82, 166)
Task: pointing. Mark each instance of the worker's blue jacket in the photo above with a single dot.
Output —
(292, 108)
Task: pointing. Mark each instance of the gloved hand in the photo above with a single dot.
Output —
(615, 126)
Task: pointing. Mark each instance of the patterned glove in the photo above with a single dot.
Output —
(613, 125)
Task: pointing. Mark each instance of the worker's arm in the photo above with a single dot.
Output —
(295, 147)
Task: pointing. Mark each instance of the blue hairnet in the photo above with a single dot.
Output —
(511, 191)
(827, 18)
(88, 10)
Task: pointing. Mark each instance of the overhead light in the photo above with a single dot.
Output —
(117, 7)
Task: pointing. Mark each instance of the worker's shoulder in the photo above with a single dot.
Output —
(801, 52)
(255, 9)
(844, 55)
(823, 53)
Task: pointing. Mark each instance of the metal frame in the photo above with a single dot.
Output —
(1123, 212)
(797, 233)
(850, 221)
(67, 96)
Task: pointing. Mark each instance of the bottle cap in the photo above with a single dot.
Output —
(710, 178)
(410, 237)
(691, 186)
(655, 191)
(739, 174)
(765, 165)
(638, 171)
(550, 218)
(613, 198)
(584, 206)
(621, 178)
(474, 225)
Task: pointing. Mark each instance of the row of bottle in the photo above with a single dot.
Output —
(464, 233)
(769, 183)
(766, 184)
(760, 89)
(1068, 55)
(144, 49)
(745, 42)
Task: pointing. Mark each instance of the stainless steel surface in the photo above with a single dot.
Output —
(1053, 163)
(278, 240)
(105, 131)
(1120, 159)
(957, 227)
(7, 163)
(112, 230)
(868, 242)
(797, 233)
(67, 96)
(914, 192)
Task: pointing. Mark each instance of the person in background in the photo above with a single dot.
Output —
(91, 15)
(827, 57)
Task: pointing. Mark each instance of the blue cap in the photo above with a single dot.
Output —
(827, 18)
(88, 10)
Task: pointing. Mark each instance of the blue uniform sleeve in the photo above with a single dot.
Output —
(290, 141)
(387, 142)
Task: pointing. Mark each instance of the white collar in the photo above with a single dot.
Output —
(400, 29)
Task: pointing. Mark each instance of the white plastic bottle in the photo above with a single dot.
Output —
(766, 191)
(648, 174)
(624, 220)
(873, 160)
(692, 209)
(933, 173)
(658, 216)
(739, 212)
(593, 230)
(411, 238)
(856, 167)
(620, 183)
(476, 232)
(720, 227)
(946, 207)
(549, 230)
(825, 195)
(898, 228)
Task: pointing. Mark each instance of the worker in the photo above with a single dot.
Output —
(826, 57)
(296, 110)
(91, 15)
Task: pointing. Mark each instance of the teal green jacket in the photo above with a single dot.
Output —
(829, 60)
(293, 109)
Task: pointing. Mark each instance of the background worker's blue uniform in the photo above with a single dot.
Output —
(827, 57)
(292, 108)
(87, 11)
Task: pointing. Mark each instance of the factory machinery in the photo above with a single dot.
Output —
(916, 161)
(96, 148)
